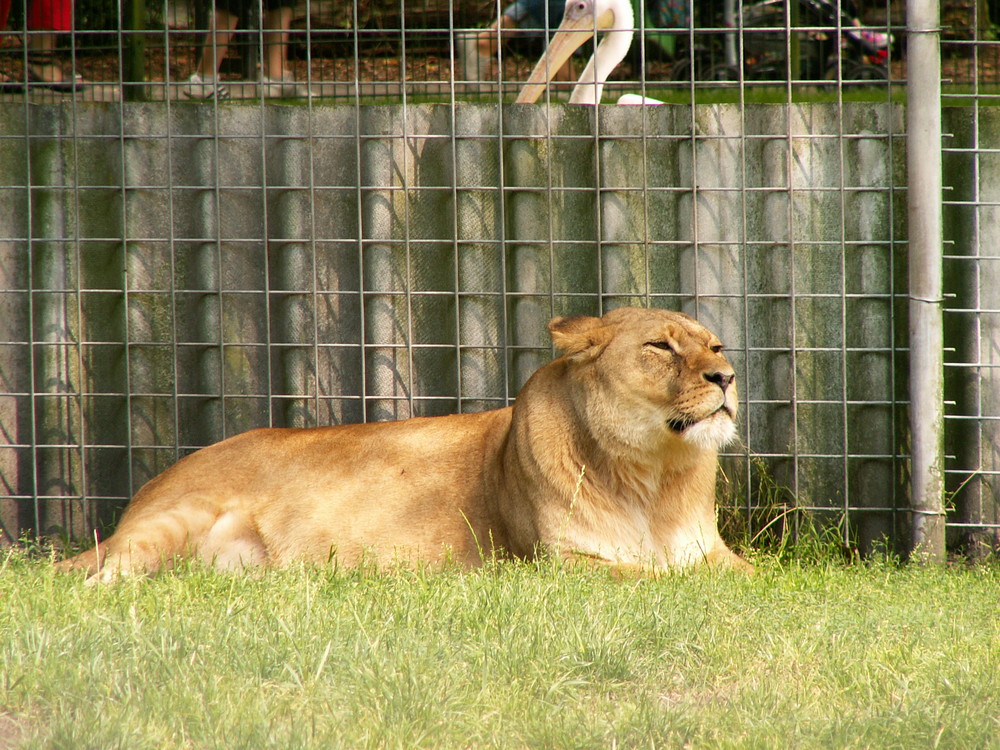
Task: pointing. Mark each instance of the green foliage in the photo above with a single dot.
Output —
(765, 516)
(516, 655)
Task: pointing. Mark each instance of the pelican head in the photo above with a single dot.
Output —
(581, 20)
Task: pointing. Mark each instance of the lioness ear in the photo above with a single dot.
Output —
(578, 334)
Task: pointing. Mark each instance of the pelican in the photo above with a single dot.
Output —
(582, 19)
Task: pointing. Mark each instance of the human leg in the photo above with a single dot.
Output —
(46, 19)
(277, 23)
(216, 43)
(202, 83)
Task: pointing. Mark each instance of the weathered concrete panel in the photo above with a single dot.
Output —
(173, 274)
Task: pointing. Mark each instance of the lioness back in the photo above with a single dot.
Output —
(274, 495)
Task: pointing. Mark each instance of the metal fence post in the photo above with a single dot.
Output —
(923, 156)
(134, 57)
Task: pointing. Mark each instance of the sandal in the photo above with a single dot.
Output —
(281, 88)
(195, 87)
(63, 87)
(48, 59)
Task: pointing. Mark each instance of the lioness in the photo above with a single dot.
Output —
(608, 455)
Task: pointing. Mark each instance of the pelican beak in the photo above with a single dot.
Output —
(572, 32)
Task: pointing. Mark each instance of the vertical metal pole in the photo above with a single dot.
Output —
(923, 157)
(794, 46)
(135, 50)
(729, 20)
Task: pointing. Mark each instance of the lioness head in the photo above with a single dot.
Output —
(652, 377)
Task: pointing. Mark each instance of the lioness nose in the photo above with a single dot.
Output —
(721, 379)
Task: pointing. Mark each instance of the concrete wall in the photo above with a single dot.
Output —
(172, 274)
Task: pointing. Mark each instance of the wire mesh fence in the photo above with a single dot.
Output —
(376, 232)
(317, 48)
(971, 260)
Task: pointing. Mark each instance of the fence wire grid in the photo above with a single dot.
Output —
(336, 213)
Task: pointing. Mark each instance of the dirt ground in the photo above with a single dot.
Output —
(963, 63)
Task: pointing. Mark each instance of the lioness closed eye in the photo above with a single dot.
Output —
(608, 454)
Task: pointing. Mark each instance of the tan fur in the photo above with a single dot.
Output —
(589, 463)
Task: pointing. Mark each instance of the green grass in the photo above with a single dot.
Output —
(800, 655)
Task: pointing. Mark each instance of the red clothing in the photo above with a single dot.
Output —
(42, 15)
